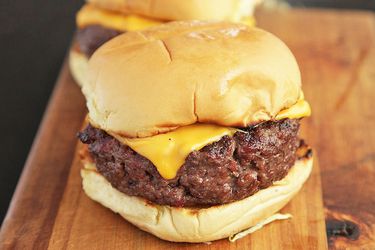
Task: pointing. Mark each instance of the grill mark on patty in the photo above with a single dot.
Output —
(230, 169)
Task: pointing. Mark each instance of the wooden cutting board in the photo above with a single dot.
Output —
(336, 53)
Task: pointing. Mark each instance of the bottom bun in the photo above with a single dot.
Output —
(78, 63)
(197, 224)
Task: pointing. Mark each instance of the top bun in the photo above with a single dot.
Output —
(148, 82)
(219, 10)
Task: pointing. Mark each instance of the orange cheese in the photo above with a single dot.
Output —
(249, 21)
(168, 151)
(91, 15)
(298, 110)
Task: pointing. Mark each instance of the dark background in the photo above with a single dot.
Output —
(34, 38)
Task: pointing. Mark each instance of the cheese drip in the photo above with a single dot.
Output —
(168, 151)
(91, 15)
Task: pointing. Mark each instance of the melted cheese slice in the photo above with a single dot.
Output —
(249, 21)
(298, 110)
(91, 15)
(168, 151)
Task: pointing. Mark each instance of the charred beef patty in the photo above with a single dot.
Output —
(225, 171)
(90, 38)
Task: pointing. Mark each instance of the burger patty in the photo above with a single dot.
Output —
(91, 37)
(225, 171)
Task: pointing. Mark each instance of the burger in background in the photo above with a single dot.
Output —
(193, 129)
(101, 20)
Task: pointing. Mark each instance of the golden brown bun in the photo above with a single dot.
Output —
(197, 225)
(147, 82)
(219, 10)
(78, 63)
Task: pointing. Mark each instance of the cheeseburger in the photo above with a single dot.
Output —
(193, 129)
(100, 20)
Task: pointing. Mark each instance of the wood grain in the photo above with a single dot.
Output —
(336, 53)
(31, 215)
